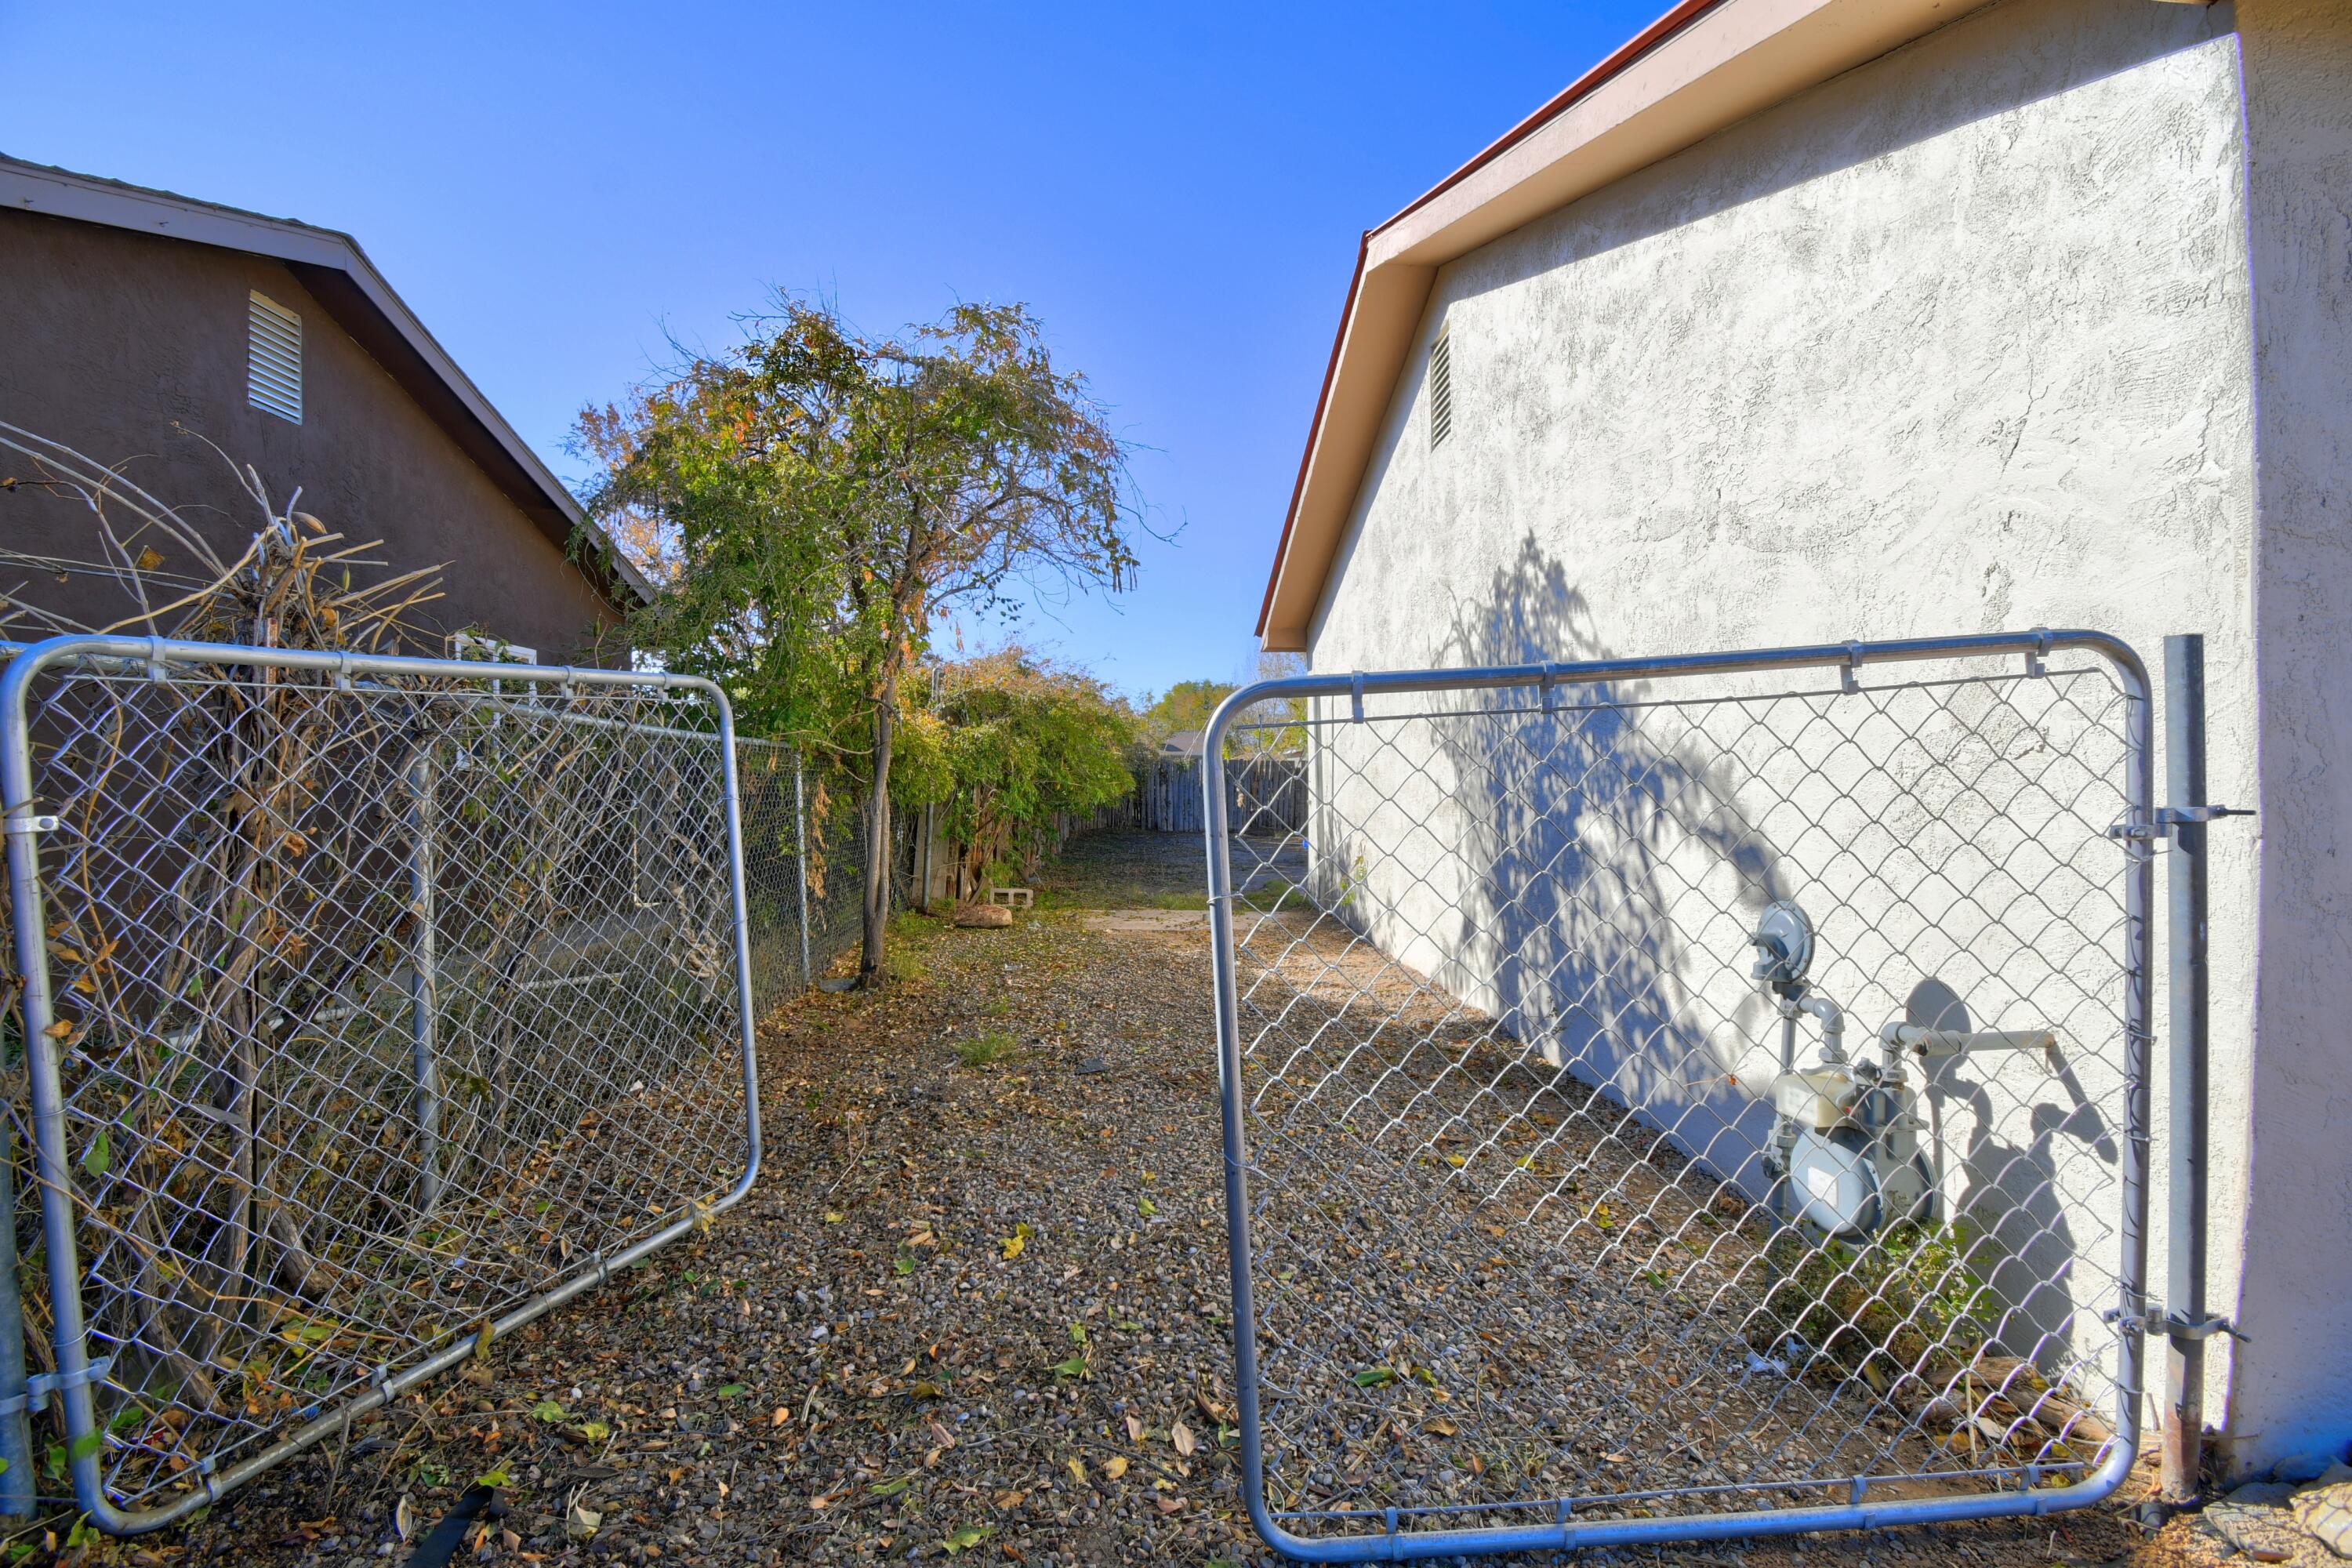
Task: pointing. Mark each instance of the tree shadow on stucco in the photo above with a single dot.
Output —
(1530, 1038)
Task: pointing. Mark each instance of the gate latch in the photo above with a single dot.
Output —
(2169, 817)
(33, 825)
(41, 1385)
(2156, 1322)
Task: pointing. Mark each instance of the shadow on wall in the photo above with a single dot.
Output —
(1599, 853)
(1590, 876)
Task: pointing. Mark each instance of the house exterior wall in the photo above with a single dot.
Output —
(113, 336)
(2292, 1391)
(1961, 340)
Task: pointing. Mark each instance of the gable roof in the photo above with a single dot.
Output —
(1703, 66)
(339, 275)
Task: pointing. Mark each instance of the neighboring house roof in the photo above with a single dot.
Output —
(1704, 65)
(339, 275)
(1185, 743)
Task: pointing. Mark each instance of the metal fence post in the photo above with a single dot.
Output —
(16, 1499)
(422, 1000)
(799, 858)
(2184, 783)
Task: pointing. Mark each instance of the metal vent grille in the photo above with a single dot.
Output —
(1441, 389)
(273, 362)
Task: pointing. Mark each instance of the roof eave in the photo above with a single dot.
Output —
(365, 306)
(1704, 66)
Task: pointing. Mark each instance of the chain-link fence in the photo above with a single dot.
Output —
(1688, 1098)
(374, 1007)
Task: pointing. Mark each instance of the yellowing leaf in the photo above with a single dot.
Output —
(1079, 1472)
(1115, 1468)
(148, 559)
(964, 1538)
(1456, 1161)
(1012, 1246)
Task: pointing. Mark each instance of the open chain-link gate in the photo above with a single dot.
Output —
(373, 1006)
(1686, 1098)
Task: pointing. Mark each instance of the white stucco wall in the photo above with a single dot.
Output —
(1960, 340)
(2293, 1393)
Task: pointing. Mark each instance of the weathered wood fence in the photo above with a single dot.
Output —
(1265, 795)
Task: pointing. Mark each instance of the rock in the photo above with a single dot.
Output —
(983, 915)
(2324, 1513)
(2308, 1466)
(1091, 1066)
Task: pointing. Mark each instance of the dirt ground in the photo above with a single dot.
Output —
(975, 1308)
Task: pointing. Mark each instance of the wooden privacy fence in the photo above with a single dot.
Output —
(1266, 796)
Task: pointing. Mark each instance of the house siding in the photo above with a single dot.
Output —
(1960, 340)
(113, 337)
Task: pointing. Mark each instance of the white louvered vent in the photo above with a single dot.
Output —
(1440, 388)
(273, 359)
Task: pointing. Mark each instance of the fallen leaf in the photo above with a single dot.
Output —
(1070, 1368)
(890, 1489)
(1167, 1504)
(731, 1390)
(964, 1539)
(833, 1216)
(1181, 1435)
(783, 1413)
(1441, 1425)
(1134, 1429)
(403, 1517)
(1115, 1468)
(1374, 1377)
(580, 1523)
(1078, 1471)
(1014, 1244)
(1011, 1499)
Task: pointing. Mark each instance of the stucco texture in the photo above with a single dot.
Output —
(113, 336)
(1961, 340)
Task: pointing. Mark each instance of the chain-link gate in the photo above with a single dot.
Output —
(374, 1007)
(1686, 1098)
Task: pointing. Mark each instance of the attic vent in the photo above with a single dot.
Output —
(273, 359)
(1440, 388)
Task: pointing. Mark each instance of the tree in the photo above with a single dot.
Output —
(1184, 706)
(823, 497)
(1013, 743)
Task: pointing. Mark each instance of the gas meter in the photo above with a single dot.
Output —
(1845, 1153)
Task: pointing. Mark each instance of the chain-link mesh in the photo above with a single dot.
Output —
(1559, 1222)
(377, 1008)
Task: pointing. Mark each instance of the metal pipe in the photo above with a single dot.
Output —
(2138, 886)
(800, 853)
(423, 1001)
(16, 1495)
(2188, 1004)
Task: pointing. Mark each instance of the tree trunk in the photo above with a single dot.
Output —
(877, 839)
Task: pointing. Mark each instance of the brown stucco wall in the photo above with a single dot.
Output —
(108, 336)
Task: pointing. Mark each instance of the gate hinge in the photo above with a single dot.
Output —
(2169, 817)
(2156, 1322)
(41, 1385)
(33, 823)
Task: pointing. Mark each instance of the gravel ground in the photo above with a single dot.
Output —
(974, 1308)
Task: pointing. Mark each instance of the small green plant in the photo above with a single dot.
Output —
(985, 1048)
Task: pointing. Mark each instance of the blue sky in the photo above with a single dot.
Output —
(558, 191)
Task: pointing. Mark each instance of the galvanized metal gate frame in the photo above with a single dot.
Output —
(2130, 1314)
(71, 1385)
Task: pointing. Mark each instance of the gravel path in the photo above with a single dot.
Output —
(975, 1308)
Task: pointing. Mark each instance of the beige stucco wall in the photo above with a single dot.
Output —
(1961, 340)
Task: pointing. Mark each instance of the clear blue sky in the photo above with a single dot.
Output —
(558, 190)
